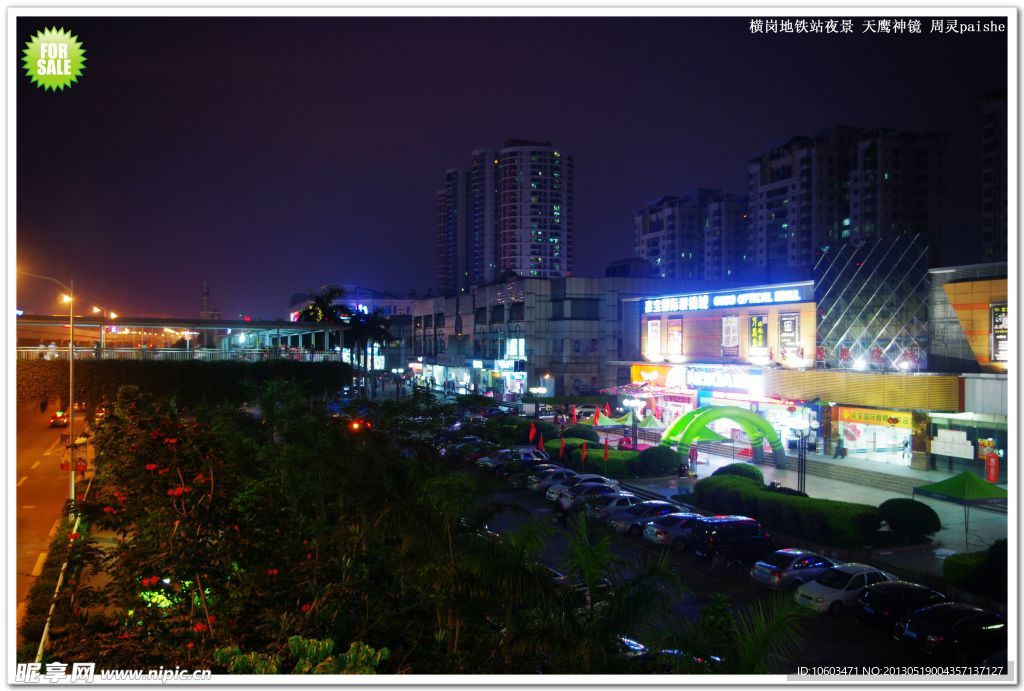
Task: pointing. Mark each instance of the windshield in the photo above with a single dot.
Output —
(833, 578)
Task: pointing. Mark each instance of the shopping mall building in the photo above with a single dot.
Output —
(877, 357)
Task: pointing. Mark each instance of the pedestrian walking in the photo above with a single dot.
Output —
(840, 449)
(693, 455)
(906, 449)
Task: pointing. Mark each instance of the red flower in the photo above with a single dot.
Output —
(154, 435)
(236, 528)
(163, 470)
(171, 441)
(74, 536)
(305, 607)
(309, 555)
(108, 509)
(199, 626)
(272, 572)
(151, 466)
(186, 489)
(125, 635)
(211, 618)
(190, 645)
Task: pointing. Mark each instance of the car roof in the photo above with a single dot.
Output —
(853, 568)
(896, 586)
(797, 552)
(727, 519)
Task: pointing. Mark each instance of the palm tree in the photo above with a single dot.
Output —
(366, 331)
(324, 308)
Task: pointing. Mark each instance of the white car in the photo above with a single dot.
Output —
(555, 491)
(838, 588)
(541, 481)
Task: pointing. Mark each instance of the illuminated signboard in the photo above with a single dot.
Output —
(735, 379)
(705, 301)
(654, 337)
(730, 336)
(1000, 333)
(758, 333)
(675, 336)
(789, 334)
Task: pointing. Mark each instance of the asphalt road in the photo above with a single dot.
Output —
(42, 488)
(828, 641)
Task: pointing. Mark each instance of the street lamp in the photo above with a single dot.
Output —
(398, 378)
(69, 298)
(635, 405)
(537, 391)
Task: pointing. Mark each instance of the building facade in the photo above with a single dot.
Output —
(513, 211)
(669, 232)
(726, 237)
(994, 186)
(968, 319)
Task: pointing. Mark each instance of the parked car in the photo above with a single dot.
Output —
(59, 419)
(511, 455)
(738, 537)
(555, 491)
(837, 588)
(671, 530)
(885, 602)
(963, 632)
(576, 496)
(503, 472)
(631, 521)
(605, 505)
(789, 568)
(540, 481)
(586, 410)
(518, 474)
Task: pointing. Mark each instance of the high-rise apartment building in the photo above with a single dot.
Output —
(895, 184)
(994, 229)
(513, 211)
(453, 238)
(669, 233)
(796, 199)
(726, 234)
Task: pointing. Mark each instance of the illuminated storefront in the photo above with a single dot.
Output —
(880, 435)
(761, 325)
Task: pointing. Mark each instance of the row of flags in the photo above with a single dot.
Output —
(535, 434)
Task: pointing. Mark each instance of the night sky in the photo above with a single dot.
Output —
(272, 156)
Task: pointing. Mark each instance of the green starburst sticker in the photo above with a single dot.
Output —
(54, 59)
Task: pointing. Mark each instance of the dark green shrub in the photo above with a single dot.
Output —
(909, 518)
(617, 465)
(743, 470)
(822, 520)
(659, 460)
(582, 432)
(960, 569)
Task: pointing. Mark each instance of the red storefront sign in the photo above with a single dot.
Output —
(992, 467)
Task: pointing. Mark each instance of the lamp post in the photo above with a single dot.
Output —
(537, 391)
(398, 379)
(635, 405)
(68, 297)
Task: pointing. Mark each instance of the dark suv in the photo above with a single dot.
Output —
(737, 537)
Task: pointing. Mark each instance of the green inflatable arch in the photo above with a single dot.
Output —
(692, 428)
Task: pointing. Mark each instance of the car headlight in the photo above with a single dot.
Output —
(819, 599)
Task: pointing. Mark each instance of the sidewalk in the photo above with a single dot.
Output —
(985, 526)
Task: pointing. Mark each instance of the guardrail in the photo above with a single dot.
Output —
(209, 355)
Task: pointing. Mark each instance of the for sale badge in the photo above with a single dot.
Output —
(54, 59)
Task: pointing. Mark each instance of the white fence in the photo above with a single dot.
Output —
(211, 355)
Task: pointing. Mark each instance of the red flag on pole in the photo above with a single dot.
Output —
(583, 454)
(607, 409)
(597, 416)
(533, 431)
(606, 449)
(540, 443)
(561, 451)
(574, 413)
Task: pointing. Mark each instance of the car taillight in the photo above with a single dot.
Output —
(712, 540)
(776, 575)
(659, 533)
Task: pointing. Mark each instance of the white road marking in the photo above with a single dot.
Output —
(54, 448)
(31, 506)
(38, 568)
(35, 465)
(22, 480)
(53, 529)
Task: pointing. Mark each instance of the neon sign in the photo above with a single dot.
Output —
(705, 301)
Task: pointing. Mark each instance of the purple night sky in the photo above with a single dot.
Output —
(271, 156)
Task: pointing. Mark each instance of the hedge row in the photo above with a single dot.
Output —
(983, 572)
(822, 520)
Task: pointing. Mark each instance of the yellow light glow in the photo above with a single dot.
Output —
(96, 310)
(65, 297)
(113, 315)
